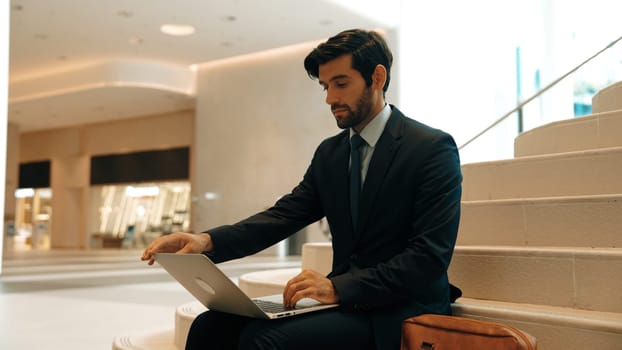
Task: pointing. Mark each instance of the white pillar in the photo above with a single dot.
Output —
(4, 83)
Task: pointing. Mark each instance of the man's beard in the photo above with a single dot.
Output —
(362, 111)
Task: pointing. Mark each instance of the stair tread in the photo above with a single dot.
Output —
(551, 199)
(608, 98)
(581, 173)
(544, 157)
(572, 121)
(586, 319)
(594, 131)
(161, 339)
(527, 250)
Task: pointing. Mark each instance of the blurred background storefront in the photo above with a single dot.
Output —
(129, 216)
(133, 198)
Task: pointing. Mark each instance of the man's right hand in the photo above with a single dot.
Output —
(178, 242)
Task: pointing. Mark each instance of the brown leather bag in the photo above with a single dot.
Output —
(438, 332)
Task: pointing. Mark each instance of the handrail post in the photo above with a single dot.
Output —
(519, 89)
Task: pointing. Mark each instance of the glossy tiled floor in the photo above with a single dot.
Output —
(77, 300)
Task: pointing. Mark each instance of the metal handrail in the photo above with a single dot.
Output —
(537, 94)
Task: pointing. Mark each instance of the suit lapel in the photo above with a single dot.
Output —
(383, 155)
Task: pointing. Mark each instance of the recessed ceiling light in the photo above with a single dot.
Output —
(177, 29)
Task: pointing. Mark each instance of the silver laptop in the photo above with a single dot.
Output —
(209, 285)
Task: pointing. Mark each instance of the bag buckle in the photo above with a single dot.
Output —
(426, 346)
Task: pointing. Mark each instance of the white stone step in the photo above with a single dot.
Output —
(580, 278)
(151, 340)
(601, 130)
(184, 315)
(260, 283)
(317, 256)
(555, 328)
(592, 172)
(608, 99)
(580, 221)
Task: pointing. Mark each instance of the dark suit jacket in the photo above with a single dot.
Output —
(395, 265)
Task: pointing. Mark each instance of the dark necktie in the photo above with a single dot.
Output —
(355, 176)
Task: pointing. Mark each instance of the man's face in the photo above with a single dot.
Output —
(349, 98)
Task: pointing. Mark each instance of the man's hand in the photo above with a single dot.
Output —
(309, 284)
(178, 242)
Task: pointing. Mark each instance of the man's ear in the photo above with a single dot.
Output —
(379, 76)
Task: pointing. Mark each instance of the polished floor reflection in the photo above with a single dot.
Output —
(76, 300)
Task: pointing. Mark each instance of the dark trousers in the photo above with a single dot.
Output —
(327, 329)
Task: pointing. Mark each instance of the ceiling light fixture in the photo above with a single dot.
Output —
(177, 29)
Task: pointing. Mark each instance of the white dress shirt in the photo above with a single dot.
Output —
(371, 134)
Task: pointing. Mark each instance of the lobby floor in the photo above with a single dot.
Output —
(77, 300)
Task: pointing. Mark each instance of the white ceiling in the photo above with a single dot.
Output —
(71, 61)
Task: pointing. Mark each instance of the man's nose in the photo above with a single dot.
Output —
(331, 98)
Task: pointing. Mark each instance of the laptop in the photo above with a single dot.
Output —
(209, 285)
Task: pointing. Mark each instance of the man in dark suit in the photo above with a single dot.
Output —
(390, 190)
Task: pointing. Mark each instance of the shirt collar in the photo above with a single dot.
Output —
(372, 131)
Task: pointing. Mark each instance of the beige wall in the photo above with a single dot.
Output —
(70, 150)
(131, 135)
(11, 179)
(259, 120)
(12, 171)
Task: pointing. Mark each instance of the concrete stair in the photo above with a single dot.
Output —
(546, 221)
(597, 131)
(578, 173)
(553, 327)
(152, 340)
(608, 99)
(540, 240)
(579, 278)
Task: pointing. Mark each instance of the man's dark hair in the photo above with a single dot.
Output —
(368, 49)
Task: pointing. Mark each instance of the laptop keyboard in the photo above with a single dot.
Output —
(269, 306)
